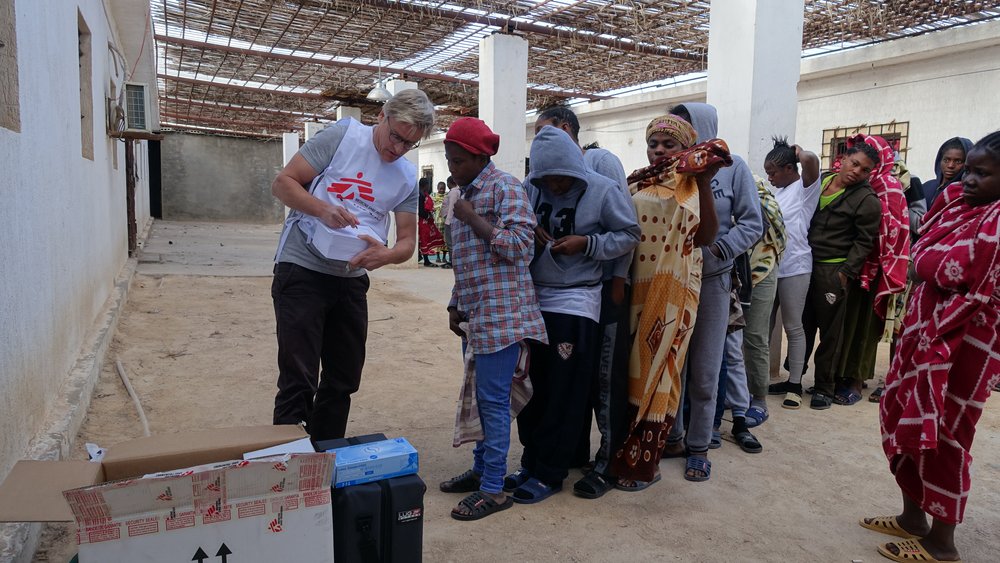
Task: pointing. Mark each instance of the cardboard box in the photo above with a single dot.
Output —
(374, 461)
(271, 509)
(33, 491)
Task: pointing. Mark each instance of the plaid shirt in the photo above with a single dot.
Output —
(493, 287)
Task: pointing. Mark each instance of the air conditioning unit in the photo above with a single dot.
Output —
(137, 107)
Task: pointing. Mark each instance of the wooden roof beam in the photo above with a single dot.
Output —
(510, 25)
(251, 89)
(358, 66)
(198, 129)
(246, 124)
(255, 109)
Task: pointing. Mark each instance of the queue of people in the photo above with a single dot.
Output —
(646, 302)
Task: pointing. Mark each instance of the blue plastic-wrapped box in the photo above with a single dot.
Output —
(374, 461)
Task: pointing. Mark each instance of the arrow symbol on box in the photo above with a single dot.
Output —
(223, 553)
(200, 556)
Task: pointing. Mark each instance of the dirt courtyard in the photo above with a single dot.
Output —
(197, 340)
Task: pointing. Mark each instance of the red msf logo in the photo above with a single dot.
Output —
(274, 526)
(348, 188)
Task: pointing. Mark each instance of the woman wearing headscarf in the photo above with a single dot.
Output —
(948, 167)
(947, 362)
(674, 204)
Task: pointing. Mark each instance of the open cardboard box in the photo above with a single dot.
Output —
(33, 491)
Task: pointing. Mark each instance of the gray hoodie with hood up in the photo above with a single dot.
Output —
(734, 192)
(594, 207)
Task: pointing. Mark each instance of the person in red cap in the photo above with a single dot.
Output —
(493, 306)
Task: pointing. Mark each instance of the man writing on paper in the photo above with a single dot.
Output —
(341, 184)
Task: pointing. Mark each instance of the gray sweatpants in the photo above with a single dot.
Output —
(704, 358)
(737, 393)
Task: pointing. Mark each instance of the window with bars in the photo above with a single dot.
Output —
(896, 133)
(135, 106)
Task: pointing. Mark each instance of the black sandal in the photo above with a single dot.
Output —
(465, 483)
(593, 485)
(748, 442)
(480, 506)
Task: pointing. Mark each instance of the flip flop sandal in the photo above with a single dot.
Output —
(748, 442)
(876, 395)
(755, 416)
(846, 397)
(886, 525)
(701, 465)
(594, 485)
(637, 485)
(533, 491)
(792, 401)
(465, 483)
(480, 506)
(515, 480)
(716, 441)
(909, 550)
(820, 402)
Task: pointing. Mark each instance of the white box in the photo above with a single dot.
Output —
(272, 509)
(342, 244)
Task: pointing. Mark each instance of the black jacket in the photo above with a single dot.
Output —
(847, 228)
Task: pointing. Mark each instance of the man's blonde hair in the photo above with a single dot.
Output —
(414, 107)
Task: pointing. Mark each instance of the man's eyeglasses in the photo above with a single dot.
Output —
(398, 139)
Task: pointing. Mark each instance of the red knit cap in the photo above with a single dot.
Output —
(473, 135)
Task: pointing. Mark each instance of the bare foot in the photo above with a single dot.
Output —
(914, 526)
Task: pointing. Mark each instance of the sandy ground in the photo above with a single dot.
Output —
(197, 340)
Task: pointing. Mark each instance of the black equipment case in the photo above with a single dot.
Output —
(380, 522)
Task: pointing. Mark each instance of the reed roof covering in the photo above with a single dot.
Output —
(263, 67)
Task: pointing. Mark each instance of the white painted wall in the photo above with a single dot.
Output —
(62, 217)
(944, 84)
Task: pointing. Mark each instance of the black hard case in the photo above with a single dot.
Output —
(380, 522)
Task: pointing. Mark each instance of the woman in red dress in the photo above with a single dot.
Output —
(947, 363)
(429, 237)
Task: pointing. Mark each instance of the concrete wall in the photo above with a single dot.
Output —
(944, 84)
(63, 236)
(211, 178)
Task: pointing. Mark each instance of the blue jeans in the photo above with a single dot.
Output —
(494, 373)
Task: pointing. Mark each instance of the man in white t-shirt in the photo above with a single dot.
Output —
(342, 183)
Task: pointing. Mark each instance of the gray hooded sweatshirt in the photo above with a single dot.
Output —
(594, 207)
(737, 204)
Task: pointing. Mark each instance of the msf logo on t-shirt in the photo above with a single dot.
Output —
(349, 188)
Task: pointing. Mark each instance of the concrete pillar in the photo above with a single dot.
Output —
(397, 86)
(313, 127)
(754, 56)
(348, 111)
(503, 96)
(289, 146)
